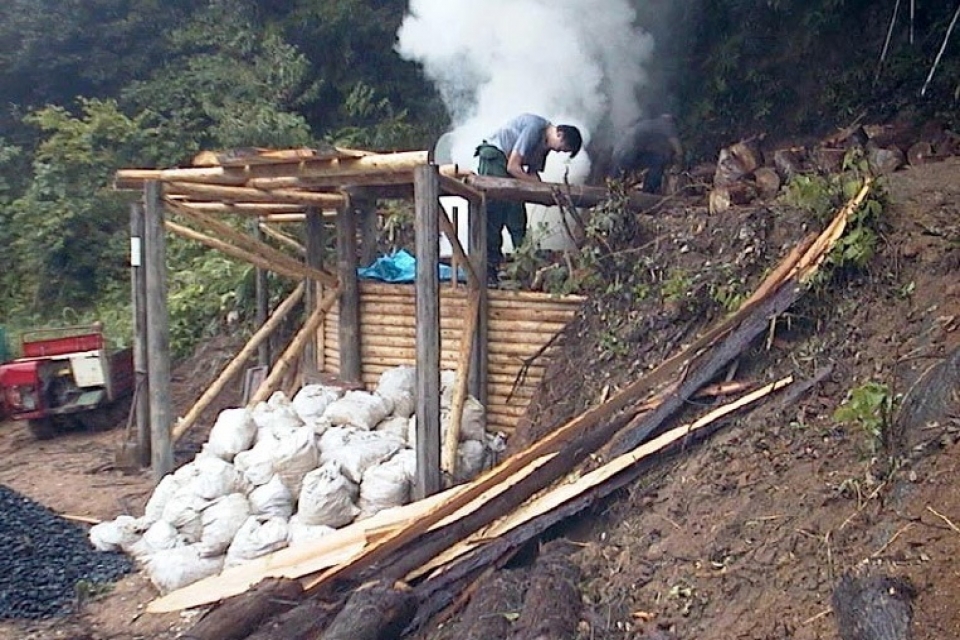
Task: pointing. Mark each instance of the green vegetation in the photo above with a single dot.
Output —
(93, 87)
(868, 407)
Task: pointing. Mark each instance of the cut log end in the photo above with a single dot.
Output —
(873, 607)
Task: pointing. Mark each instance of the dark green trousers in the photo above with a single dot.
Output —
(500, 213)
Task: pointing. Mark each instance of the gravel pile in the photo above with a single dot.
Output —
(43, 558)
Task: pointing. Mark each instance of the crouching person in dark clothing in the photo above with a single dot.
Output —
(652, 145)
(518, 150)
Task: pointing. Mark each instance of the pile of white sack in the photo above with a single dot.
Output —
(286, 472)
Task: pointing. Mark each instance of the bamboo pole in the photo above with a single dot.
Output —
(213, 192)
(293, 351)
(235, 252)
(281, 237)
(242, 208)
(235, 365)
(449, 461)
(248, 243)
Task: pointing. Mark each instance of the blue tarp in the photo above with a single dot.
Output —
(398, 267)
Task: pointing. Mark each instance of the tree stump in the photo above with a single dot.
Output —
(873, 607)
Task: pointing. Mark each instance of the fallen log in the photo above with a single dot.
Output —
(552, 603)
(376, 611)
(308, 620)
(234, 619)
(562, 502)
(489, 613)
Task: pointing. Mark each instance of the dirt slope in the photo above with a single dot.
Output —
(746, 534)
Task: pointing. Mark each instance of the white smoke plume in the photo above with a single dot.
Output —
(575, 62)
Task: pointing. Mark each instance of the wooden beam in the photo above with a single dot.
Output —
(365, 208)
(314, 258)
(158, 332)
(253, 246)
(138, 283)
(426, 230)
(282, 238)
(349, 314)
(549, 193)
(242, 208)
(263, 303)
(450, 230)
(235, 252)
(477, 241)
(453, 186)
(220, 193)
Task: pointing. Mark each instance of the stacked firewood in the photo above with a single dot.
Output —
(746, 172)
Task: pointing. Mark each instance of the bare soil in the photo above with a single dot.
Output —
(744, 535)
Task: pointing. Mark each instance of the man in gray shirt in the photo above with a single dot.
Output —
(518, 150)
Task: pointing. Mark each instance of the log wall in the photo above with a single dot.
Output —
(520, 324)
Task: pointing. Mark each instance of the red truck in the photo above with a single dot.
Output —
(67, 378)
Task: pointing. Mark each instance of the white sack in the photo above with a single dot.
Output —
(359, 409)
(221, 521)
(233, 432)
(299, 533)
(166, 489)
(399, 385)
(113, 535)
(384, 485)
(395, 427)
(161, 535)
(272, 500)
(215, 478)
(277, 414)
(256, 464)
(360, 450)
(327, 498)
(471, 456)
(172, 569)
(296, 455)
(255, 539)
(183, 512)
(312, 400)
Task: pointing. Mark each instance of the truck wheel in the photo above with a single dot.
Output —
(106, 417)
(43, 428)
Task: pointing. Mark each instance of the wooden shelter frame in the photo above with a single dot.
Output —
(294, 185)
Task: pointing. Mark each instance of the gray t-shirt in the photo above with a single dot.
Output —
(523, 134)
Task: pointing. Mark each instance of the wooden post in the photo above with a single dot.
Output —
(158, 332)
(477, 222)
(138, 286)
(454, 262)
(367, 209)
(314, 257)
(349, 293)
(263, 302)
(426, 231)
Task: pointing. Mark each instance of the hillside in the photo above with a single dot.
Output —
(744, 534)
(748, 533)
